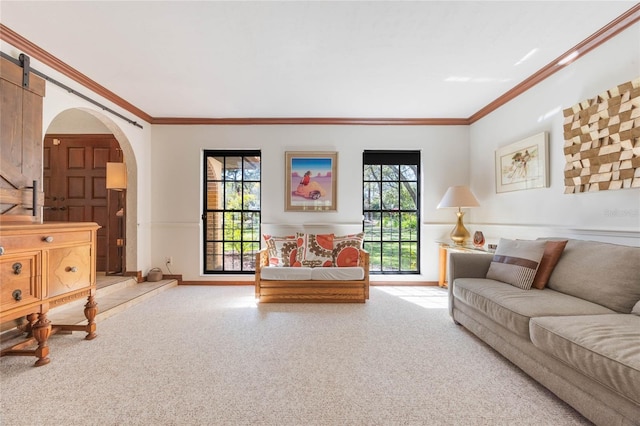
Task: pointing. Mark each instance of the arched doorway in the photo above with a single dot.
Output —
(77, 145)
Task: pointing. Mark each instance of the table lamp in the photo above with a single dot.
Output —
(459, 196)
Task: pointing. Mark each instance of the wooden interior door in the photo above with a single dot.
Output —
(74, 181)
(20, 140)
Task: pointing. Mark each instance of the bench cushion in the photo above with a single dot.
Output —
(513, 307)
(347, 273)
(603, 347)
(285, 274)
(305, 273)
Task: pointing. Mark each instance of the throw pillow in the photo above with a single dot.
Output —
(282, 250)
(552, 252)
(636, 309)
(516, 262)
(346, 249)
(315, 250)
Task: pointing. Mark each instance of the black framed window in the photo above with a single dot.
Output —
(391, 208)
(231, 217)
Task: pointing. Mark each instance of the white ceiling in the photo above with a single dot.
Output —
(392, 59)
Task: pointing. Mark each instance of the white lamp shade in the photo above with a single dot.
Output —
(116, 176)
(458, 196)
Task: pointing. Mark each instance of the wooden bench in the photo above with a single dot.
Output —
(317, 291)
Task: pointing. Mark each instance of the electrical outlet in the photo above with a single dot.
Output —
(168, 260)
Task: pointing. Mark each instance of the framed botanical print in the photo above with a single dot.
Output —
(523, 164)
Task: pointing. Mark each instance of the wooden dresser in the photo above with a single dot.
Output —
(43, 266)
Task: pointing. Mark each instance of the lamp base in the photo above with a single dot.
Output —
(459, 234)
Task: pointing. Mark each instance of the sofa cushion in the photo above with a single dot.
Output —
(346, 249)
(513, 307)
(282, 250)
(516, 262)
(315, 249)
(636, 308)
(552, 252)
(285, 274)
(608, 274)
(603, 347)
(338, 274)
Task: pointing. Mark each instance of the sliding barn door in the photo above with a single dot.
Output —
(20, 140)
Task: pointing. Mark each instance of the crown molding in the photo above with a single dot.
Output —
(606, 33)
(314, 121)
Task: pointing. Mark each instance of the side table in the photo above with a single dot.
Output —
(449, 246)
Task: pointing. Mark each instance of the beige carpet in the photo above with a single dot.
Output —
(197, 355)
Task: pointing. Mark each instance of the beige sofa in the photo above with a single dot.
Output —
(579, 336)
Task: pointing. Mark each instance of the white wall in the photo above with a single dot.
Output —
(607, 215)
(177, 180)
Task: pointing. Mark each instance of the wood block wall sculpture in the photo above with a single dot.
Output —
(602, 141)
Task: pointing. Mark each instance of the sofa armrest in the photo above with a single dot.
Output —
(466, 265)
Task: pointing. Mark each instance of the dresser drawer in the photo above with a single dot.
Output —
(69, 270)
(42, 241)
(19, 280)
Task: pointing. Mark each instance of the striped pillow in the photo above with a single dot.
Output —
(516, 262)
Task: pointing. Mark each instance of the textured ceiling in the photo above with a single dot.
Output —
(396, 59)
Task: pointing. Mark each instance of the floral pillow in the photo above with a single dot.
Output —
(315, 250)
(282, 250)
(346, 249)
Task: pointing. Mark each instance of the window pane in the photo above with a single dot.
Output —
(409, 257)
(372, 172)
(390, 173)
(408, 173)
(372, 225)
(232, 260)
(251, 200)
(249, 252)
(375, 253)
(251, 168)
(233, 168)
(390, 195)
(408, 195)
(371, 195)
(251, 227)
(232, 226)
(214, 195)
(214, 168)
(390, 226)
(233, 195)
(409, 226)
(214, 224)
(214, 256)
(390, 257)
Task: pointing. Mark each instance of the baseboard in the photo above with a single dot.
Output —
(213, 283)
(403, 283)
(177, 277)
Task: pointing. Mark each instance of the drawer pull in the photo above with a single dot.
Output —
(48, 239)
(17, 295)
(1, 251)
(73, 269)
(17, 268)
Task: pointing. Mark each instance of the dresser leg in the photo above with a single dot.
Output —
(90, 312)
(41, 331)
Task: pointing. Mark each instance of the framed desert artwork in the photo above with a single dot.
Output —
(310, 181)
(523, 164)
